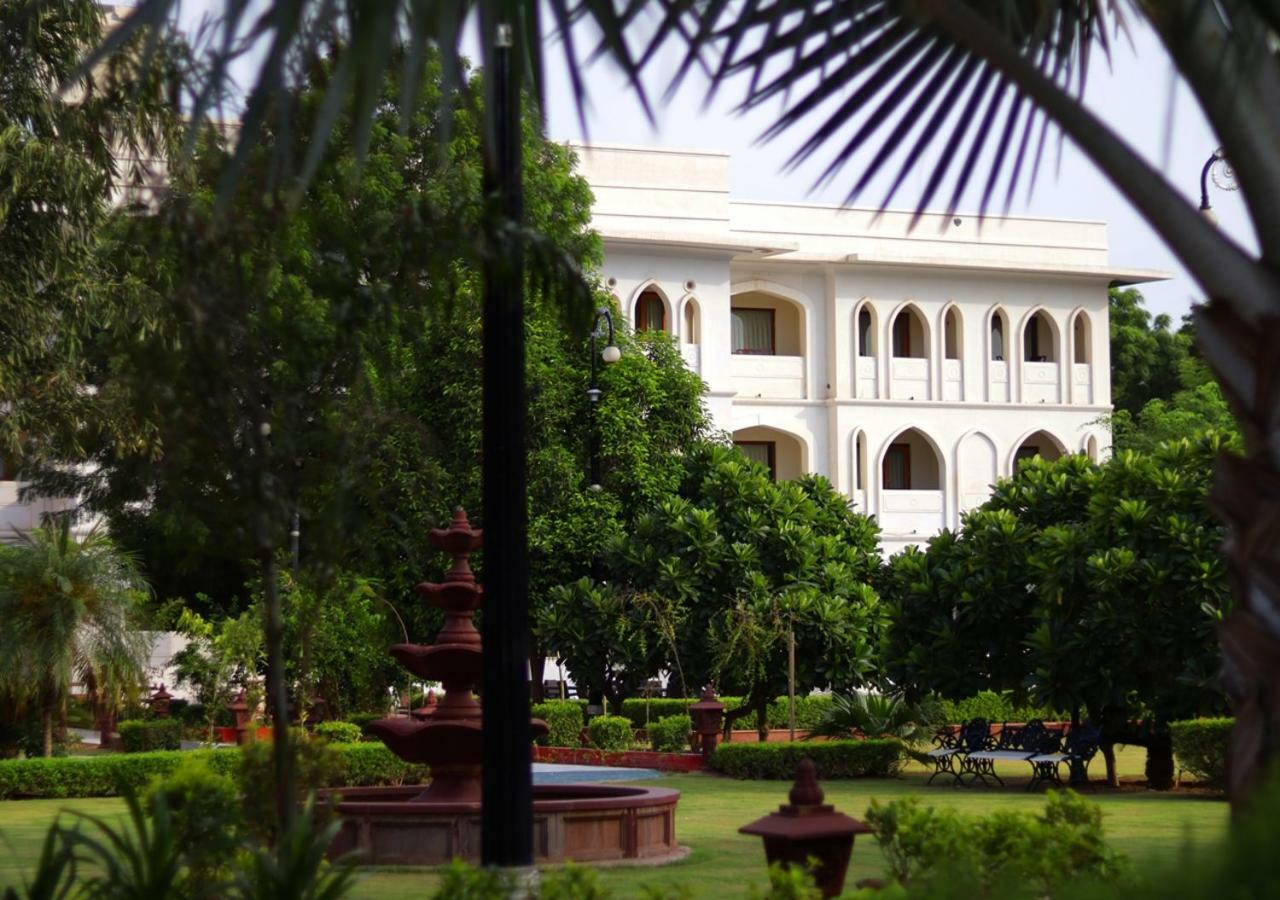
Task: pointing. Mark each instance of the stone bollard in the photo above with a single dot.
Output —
(243, 717)
(807, 828)
(708, 716)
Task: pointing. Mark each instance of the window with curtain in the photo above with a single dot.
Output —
(897, 468)
(865, 347)
(763, 452)
(997, 338)
(651, 313)
(753, 331)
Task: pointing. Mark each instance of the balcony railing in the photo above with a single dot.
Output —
(909, 378)
(1081, 383)
(692, 354)
(768, 377)
(911, 512)
(1040, 382)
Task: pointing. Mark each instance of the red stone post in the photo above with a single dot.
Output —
(708, 717)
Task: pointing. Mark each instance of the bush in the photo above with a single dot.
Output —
(204, 806)
(810, 711)
(1200, 746)
(339, 732)
(834, 759)
(670, 734)
(610, 732)
(994, 707)
(356, 765)
(564, 720)
(971, 856)
(145, 735)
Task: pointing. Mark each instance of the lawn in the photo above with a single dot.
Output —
(1148, 826)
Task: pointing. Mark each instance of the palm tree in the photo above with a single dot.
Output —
(69, 607)
(893, 72)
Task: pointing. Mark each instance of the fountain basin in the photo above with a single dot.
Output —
(594, 823)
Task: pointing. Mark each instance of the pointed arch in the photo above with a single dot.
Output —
(785, 453)
(787, 326)
(977, 467)
(908, 332)
(1081, 331)
(858, 460)
(1037, 442)
(1039, 336)
(866, 326)
(643, 305)
(951, 326)
(690, 320)
(997, 334)
(902, 465)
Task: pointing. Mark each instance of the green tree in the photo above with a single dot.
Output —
(731, 565)
(70, 607)
(221, 658)
(1146, 354)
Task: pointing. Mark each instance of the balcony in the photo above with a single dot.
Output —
(911, 512)
(1081, 384)
(909, 378)
(952, 380)
(866, 376)
(1040, 382)
(767, 377)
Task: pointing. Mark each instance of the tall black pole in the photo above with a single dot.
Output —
(507, 815)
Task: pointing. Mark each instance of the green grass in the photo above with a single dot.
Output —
(1149, 826)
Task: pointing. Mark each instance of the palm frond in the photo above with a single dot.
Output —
(874, 73)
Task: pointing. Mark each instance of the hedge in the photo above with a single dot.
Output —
(880, 758)
(670, 734)
(610, 733)
(1200, 746)
(809, 710)
(107, 775)
(994, 707)
(143, 735)
(338, 732)
(564, 720)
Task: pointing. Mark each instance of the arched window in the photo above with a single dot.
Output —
(866, 333)
(951, 334)
(1080, 338)
(651, 312)
(908, 333)
(997, 335)
(911, 464)
(1038, 344)
(1041, 444)
(860, 462)
(691, 321)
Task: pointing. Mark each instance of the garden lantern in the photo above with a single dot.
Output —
(160, 702)
(708, 716)
(241, 714)
(806, 828)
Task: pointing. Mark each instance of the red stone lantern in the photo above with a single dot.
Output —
(808, 828)
(428, 707)
(243, 715)
(160, 702)
(708, 716)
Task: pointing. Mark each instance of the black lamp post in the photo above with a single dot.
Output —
(610, 354)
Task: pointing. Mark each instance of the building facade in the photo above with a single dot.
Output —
(913, 367)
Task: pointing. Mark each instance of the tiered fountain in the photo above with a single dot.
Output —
(413, 826)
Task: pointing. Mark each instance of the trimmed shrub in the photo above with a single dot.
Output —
(206, 814)
(564, 720)
(145, 735)
(610, 732)
(1200, 746)
(834, 759)
(356, 765)
(810, 710)
(994, 707)
(670, 734)
(338, 732)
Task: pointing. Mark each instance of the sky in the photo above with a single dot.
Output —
(1135, 91)
(1159, 115)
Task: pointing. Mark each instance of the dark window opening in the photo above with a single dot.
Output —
(753, 331)
(651, 313)
(897, 468)
(763, 452)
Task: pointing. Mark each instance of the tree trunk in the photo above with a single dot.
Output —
(1160, 760)
(46, 731)
(1109, 757)
(536, 693)
(762, 721)
(278, 695)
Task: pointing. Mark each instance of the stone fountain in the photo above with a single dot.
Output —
(416, 826)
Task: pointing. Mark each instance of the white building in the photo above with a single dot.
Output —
(912, 368)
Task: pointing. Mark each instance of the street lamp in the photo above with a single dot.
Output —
(610, 354)
(1223, 176)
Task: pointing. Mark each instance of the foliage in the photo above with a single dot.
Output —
(789, 883)
(1147, 355)
(338, 732)
(314, 764)
(461, 881)
(565, 720)
(874, 716)
(221, 657)
(731, 564)
(810, 708)
(145, 735)
(1201, 747)
(109, 775)
(874, 758)
(993, 707)
(609, 733)
(205, 811)
(670, 734)
(1090, 587)
(71, 611)
(297, 867)
(923, 845)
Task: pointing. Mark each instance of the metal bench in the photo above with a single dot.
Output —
(953, 746)
(1014, 744)
(1078, 749)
